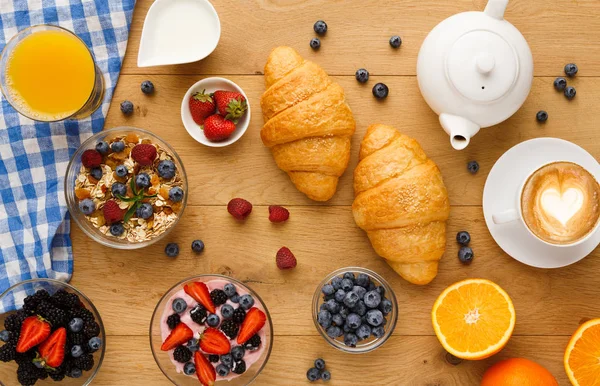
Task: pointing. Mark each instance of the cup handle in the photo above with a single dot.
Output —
(505, 217)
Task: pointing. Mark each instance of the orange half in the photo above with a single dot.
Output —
(473, 319)
(582, 356)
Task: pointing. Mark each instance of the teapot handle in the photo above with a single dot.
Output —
(496, 8)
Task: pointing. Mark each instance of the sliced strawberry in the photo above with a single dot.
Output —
(52, 350)
(213, 341)
(204, 370)
(34, 331)
(180, 335)
(255, 320)
(199, 291)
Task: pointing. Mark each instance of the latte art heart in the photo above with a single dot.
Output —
(562, 206)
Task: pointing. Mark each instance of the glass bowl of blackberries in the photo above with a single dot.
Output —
(355, 310)
(50, 332)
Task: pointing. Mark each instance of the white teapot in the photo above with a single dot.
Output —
(475, 70)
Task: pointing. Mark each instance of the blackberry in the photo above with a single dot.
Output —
(198, 314)
(230, 328)
(28, 374)
(55, 316)
(213, 358)
(65, 300)
(239, 315)
(76, 338)
(31, 302)
(26, 357)
(91, 329)
(58, 374)
(218, 297)
(182, 354)
(84, 362)
(13, 322)
(239, 367)
(173, 321)
(7, 352)
(253, 343)
(83, 313)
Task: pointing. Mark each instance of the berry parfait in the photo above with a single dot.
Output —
(54, 334)
(211, 329)
(126, 188)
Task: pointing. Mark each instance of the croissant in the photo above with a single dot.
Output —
(401, 202)
(308, 125)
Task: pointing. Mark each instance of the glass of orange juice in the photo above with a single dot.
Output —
(48, 74)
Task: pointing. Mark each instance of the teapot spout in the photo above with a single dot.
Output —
(496, 8)
(460, 130)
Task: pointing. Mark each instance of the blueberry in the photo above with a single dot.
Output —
(350, 276)
(235, 298)
(76, 325)
(227, 360)
(363, 332)
(75, 373)
(326, 375)
(118, 189)
(198, 247)
(323, 307)
(473, 167)
(336, 282)
(193, 345)
(372, 299)
(172, 250)
(465, 255)
(313, 374)
(351, 299)
(560, 83)
(347, 285)
(147, 87)
(380, 290)
(350, 339)
(571, 69)
(344, 311)
(87, 206)
(229, 288)
(353, 321)
(324, 318)
(372, 286)
(76, 351)
(166, 169)
(328, 289)
(142, 180)
(117, 146)
(238, 353)
(144, 211)
(246, 302)
(117, 229)
(334, 332)
(222, 370)
(320, 364)
(320, 27)
(360, 308)
(213, 320)
(5, 335)
(339, 295)
(360, 291)
(386, 306)
(374, 318)
(121, 171)
(176, 194)
(395, 41)
(337, 320)
(179, 305)
(328, 297)
(347, 329)
(96, 173)
(333, 306)
(363, 280)
(127, 107)
(541, 116)
(570, 92)
(102, 147)
(380, 91)
(189, 369)
(226, 311)
(315, 43)
(463, 238)
(378, 332)
(362, 75)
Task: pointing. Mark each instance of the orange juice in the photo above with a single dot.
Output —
(50, 75)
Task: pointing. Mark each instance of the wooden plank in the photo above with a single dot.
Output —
(126, 286)
(247, 168)
(558, 32)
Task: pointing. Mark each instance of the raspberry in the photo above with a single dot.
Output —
(91, 158)
(144, 154)
(112, 212)
(278, 213)
(239, 208)
(285, 259)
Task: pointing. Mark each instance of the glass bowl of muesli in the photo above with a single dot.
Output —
(126, 188)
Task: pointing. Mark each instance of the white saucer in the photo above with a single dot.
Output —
(500, 194)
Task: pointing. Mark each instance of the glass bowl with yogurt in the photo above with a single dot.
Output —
(184, 318)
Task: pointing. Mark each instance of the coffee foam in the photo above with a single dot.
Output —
(562, 206)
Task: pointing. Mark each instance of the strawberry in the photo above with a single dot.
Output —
(204, 370)
(180, 335)
(278, 213)
(213, 341)
(285, 259)
(34, 331)
(199, 291)
(254, 321)
(52, 350)
(230, 104)
(217, 128)
(239, 208)
(112, 212)
(91, 158)
(144, 154)
(201, 106)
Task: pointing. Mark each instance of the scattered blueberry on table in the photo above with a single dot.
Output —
(315, 43)
(395, 41)
(127, 107)
(473, 167)
(362, 75)
(465, 255)
(198, 247)
(172, 250)
(570, 92)
(560, 83)
(320, 27)
(318, 371)
(463, 238)
(571, 70)
(541, 116)
(147, 87)
(380, 91)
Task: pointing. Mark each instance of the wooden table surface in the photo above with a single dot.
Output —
(550, 304)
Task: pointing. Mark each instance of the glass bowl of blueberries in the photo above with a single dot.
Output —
(50, 332)
(355, 310)
(126, 188)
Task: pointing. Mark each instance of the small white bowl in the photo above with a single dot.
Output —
(211, 85)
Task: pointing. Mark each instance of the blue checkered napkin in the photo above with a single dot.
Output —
(34, 223)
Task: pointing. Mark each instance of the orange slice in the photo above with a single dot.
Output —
(473, 319)
(582, 357)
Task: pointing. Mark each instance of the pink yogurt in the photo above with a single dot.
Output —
(250, 357)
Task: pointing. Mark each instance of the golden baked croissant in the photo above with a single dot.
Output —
(308, 124)
(401, 202)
